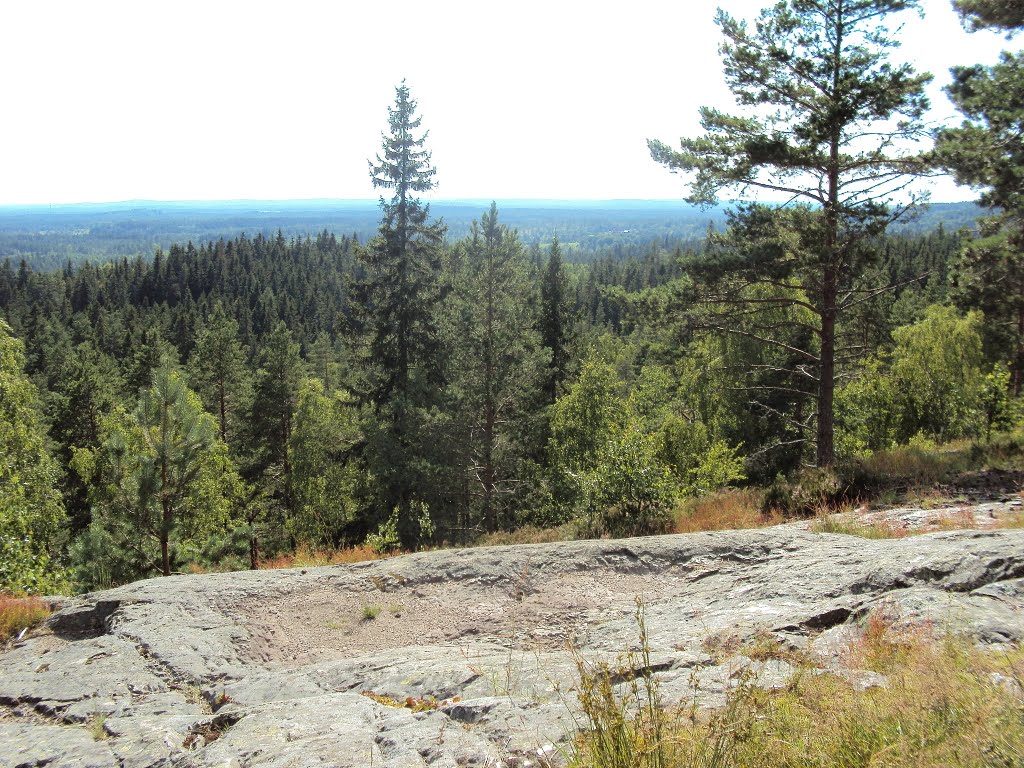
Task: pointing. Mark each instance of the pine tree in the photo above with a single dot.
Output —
(991, 14)
(987, 152)
(164, 476)
(399, 295)
(827, 120)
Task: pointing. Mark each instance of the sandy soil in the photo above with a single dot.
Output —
(526, 614)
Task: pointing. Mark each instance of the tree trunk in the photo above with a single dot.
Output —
(222, 403)
(1018, 368)
(827, 384)
(165, 534)
(165, 504)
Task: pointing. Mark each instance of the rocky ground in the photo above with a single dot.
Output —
(312, 667)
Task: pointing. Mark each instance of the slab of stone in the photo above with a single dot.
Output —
(468, 657)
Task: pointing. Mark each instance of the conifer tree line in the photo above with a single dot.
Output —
(217, 405)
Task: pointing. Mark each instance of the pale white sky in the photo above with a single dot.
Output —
(217, 99)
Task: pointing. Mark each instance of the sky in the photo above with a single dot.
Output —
(217, 99)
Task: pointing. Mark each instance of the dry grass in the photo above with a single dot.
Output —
(722, 511)
(945, 703)
(528, 534)
(920, 467)
(309, 558)
(844, 521)
(18, 613)
(1015, 521)
(961, 519)
(426, 704)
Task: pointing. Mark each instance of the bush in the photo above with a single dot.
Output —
(807, 492)
(630, 492)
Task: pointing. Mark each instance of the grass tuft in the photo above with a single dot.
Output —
(946, 703)
(726, 510)
(97, 725)
(625, 725)
(845, 523)
(529, 534)
(20, 613)
(303, 557)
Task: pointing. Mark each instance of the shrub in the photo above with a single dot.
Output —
(807, 492)
(385, 540)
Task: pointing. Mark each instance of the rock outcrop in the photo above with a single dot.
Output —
(311, 667)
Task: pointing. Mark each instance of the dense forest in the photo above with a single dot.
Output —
(216, 404)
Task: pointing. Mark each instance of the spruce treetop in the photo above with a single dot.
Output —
(404, 164)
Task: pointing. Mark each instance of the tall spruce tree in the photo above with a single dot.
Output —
(831, 125)
(275, 397)
(554, 320)
(399, 295)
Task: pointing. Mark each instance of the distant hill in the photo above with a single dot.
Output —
(47, 236)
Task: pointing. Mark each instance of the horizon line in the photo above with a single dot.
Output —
(376, 201)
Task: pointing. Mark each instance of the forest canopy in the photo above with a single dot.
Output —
(222, 401)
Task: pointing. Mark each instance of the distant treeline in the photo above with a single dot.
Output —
(47, 237)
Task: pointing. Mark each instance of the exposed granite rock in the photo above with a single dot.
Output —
(273, 668)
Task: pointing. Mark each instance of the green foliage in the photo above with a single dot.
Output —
(555, 319)
(991, 14)
(998, 409)
(986, 148)
(986, 152)
(720, 465)
(629, 491)
(684, 408)
(622, 452)
(585, 418)
(218, 372)
(806, 493)
(933, 385)
(326, 479)
(385, 541)
(866, 411)
(497, 371)
(164, 479)
(31, 511)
